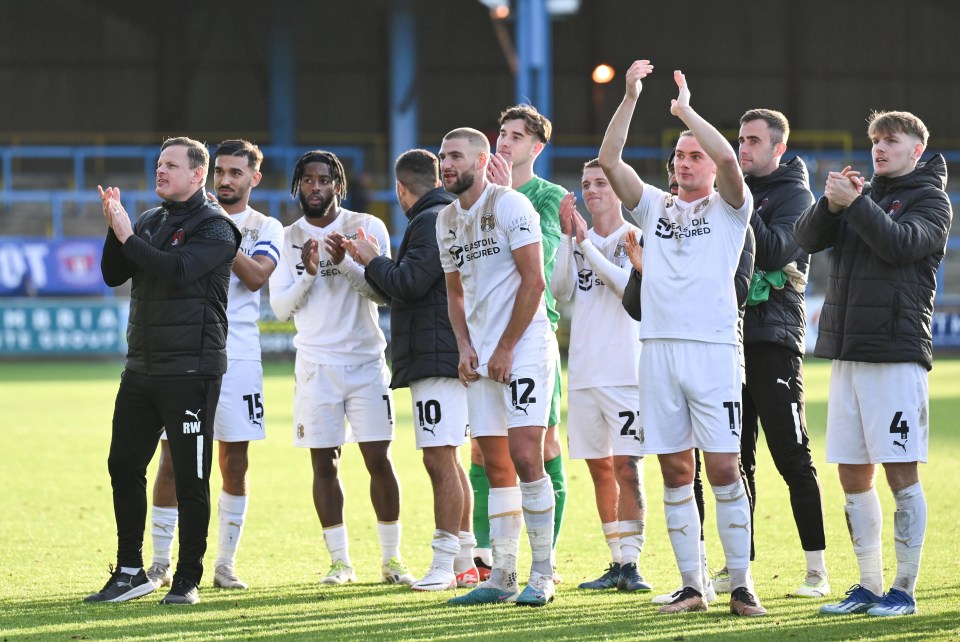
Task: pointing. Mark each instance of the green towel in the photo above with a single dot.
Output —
(761, 282)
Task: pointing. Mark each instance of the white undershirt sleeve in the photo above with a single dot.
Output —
(288, 301)
(353, 272)
(564, 277)
(614, 275)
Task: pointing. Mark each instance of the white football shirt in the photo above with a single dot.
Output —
(604, 340)
(336, 325)
(690, 254)
(479, 243)
(261, 236)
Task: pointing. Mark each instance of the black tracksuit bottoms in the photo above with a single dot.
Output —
(773, 394)
(186, 407)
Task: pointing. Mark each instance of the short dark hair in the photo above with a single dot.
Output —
(594, 162)
(534, 122)
(775, 120)
(670, 164)
(418, 170)
(476, 138)
(243, 148)
(197, 152)
(897, 122)
(320, 156)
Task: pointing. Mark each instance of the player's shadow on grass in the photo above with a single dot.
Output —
(312, 611)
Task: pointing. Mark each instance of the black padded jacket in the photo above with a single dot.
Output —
(779, 198)
(422, 340)
(887, 246)
(179, 258)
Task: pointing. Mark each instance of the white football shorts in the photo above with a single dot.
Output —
(689, 397)
(439, 412)
(603, 421)
(325, 395)
(494, 407)
(877, 413)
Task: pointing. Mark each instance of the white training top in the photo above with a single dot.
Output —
(335, 311)
(691, 252)
(261, 236)
(479, 243)
(604, 340)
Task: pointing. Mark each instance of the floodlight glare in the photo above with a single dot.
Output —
(499, 9)
(603, 74)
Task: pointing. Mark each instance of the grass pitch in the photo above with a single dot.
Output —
(57, 537)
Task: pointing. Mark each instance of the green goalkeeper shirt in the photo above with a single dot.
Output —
(546, 197)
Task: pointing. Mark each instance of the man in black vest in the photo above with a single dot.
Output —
(179, 256)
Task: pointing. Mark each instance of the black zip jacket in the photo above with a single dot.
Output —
(179, 258)
(779, 199)
(422, 341)
(887, 246)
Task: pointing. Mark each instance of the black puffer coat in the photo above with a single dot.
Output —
(886, 249)
(422, 341)
(779, 199)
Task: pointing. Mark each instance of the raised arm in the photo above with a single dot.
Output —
(729, 177)
(624, 179)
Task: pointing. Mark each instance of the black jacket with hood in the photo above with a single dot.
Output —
(887, 246)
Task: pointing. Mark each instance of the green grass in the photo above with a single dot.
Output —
(57, 537)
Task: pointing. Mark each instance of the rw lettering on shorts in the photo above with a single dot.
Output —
(192, 427)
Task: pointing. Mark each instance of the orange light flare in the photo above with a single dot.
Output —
(602, 74)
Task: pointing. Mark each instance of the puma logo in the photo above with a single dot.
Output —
(745, 526)
(682, 530)
(195, 415)
(525, 229)
(903, 445)
(424, 428)
(786, 383)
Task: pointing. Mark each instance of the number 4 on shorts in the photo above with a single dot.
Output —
(899, 425)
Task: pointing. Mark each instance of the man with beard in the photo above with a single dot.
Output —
(489, 242)
(773, 331)
(179, 257)
(690, 374)
(425, 359)
(341, 372)
(888, 238)
(240, 414)
(524, 132)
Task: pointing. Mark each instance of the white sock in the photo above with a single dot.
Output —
(445, 547)
(389, 534)
(505, 509)
(335, 538)
(464, 559)
(683, 527)
(733, 525)
(909, 529)
(865, 521)
(631, 540)
(538, 504)
(163, 524)
(231, 513)
(611, 531)
(816, 563)
(131, 570)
